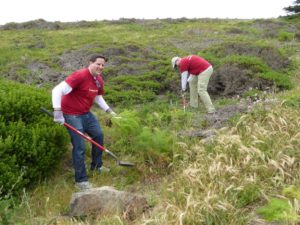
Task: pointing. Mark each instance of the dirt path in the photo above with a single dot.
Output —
(221, 117)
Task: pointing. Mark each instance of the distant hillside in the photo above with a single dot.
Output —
(246, 54)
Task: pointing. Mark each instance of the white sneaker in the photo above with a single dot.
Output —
(83, 185)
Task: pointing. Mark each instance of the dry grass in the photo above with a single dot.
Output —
(224, 183)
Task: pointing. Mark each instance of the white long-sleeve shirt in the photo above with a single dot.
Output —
(184, 80)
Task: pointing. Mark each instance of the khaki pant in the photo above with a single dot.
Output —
(198, 86)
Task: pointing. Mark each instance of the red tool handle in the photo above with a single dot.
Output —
(76, 131)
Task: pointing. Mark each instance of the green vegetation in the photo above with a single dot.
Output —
(229, 179)
(282, 209)
(278, 210)
(285, 36)
(30, 145)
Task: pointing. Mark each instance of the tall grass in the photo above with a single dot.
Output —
(223, 182)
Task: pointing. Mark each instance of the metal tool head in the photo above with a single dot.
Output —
(123, 163)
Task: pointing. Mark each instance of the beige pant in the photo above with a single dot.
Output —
(198, 86)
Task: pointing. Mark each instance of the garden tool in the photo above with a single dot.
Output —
(120, 163)
(184, 103)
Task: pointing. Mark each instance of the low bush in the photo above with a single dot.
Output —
(278, 210)
(30, 143)
(134, 136)
(285, 36)
(252, 63)
(265, 53)
(133, 89)
(255, 67)
(292, 100)
(279, 79)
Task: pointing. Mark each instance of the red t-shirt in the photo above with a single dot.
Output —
(193, 64)
(84, 90)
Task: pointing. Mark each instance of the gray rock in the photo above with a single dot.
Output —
(107, 200)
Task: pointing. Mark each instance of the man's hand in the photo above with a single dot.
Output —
(109, 122)
(113, 113)
(58, 117)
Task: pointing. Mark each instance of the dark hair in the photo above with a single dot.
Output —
(94, 57)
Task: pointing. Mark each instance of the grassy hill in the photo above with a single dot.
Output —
(241, 174)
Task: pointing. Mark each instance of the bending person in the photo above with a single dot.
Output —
(196, 71)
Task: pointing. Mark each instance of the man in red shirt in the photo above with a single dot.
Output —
(72, 100)
(197, 71)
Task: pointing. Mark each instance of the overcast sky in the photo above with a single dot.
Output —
(90, 10)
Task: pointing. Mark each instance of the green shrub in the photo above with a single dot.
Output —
(285, 36)
(210, 56)
(128, 97)
(152, 141)
(248, 195)
(292, 100)
(257, 68)
(134, 136)
(280, 80)
(30, 143)
(262, 53)
(292, 192)
(6, 214)
(252, 63)
(125, 130)
(155, 115)
(133, 89)
(128, 124)
(278, 210)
